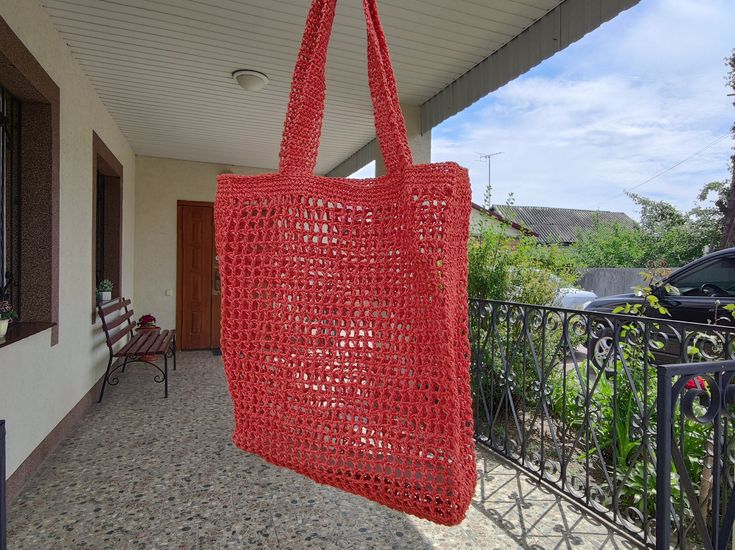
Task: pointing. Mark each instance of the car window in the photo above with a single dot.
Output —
(719, 272)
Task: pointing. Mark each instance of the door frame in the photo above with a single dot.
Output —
(179, 256)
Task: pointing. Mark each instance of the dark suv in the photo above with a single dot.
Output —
(705, 286)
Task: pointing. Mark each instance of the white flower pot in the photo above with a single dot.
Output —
(104, 296)
(4, 327)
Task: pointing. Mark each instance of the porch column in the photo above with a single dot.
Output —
(420, 144)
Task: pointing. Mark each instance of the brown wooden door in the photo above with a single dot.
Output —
(216, 300)
(194, 292)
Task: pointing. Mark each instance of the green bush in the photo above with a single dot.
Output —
(517, 269)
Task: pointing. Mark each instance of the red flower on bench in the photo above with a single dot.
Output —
(147, 321)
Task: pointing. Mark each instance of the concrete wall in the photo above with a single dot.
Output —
(607, 281)
(160, 184)
(40, 384)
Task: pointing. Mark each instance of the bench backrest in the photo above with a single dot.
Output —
(116, 328)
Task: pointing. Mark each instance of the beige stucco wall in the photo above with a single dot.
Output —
(160, 184)
(40, 384)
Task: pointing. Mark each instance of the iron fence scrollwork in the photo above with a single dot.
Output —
(705, 510)
(575, 399)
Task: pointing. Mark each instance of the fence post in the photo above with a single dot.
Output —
(663, 458)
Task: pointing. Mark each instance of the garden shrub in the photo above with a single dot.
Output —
(517, 269)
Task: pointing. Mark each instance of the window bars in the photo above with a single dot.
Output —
(101, 201)
(10, 169)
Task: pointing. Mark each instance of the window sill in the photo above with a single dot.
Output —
(19, 331)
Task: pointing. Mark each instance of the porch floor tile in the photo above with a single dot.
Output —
(146, 472)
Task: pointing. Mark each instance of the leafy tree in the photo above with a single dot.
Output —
(707, 220)
(665, 235)
(610, 245)
(657, 217)
(674, 237)
(728, 233)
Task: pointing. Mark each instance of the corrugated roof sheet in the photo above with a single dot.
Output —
(560, 225)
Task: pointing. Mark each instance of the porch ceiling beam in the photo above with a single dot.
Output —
(563, 25)
(360, 158)
(560, 27)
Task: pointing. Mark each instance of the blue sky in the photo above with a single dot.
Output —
(632, 98)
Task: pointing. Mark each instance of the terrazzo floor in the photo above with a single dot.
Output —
(146, 472)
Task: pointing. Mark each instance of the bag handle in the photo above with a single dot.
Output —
(302, 130)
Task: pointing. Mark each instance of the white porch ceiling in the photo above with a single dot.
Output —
(162, 67)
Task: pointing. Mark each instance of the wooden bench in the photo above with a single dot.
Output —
(139, 343)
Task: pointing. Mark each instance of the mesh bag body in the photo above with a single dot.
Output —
(344, 306)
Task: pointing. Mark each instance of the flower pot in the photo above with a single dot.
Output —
(104, 296)
(4, 327)
(149, 358)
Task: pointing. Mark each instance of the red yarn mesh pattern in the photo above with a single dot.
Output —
(344, 320)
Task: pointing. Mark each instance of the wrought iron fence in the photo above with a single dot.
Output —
(574, 399)
(695, 495)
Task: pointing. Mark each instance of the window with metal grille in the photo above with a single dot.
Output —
(107, 191)
(10, 170)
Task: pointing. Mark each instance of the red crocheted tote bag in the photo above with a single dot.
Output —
(344, 305)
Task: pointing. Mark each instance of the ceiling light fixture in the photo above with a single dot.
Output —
(250, 81)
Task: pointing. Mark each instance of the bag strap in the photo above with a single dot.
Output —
(302, 130)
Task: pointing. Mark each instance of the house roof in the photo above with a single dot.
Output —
(560, 225)
(499, 217)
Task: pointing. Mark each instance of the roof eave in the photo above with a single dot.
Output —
(563, 25)
(523, 229)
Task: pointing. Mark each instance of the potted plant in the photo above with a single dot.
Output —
(6, 314)
(104, 290)
(147, 323)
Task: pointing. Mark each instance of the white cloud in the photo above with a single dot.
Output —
(631, 99)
